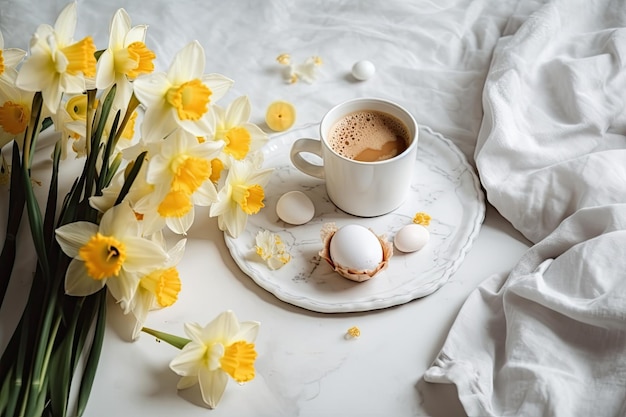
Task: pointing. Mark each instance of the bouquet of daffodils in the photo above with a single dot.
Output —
(109, 233)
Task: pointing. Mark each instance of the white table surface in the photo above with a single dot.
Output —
(305, 365)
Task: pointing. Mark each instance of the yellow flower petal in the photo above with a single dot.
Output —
(249, 198)
(175, 204)
(190, 99)
(284, 59)
(143, 58)
(164, 284)
(422, 218)
(103, 256)
(237, 142)
(190, 173)
(238, 361)
(217, 166)
(280, 116)
(77, 107)
(14, 117)
(81, 58)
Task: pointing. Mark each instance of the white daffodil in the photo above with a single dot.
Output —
(112, 254)
(232, 126)
(160, 287)
(126, 57)
(181, 97)
(181, 173)
(223, 348)
(241, 195)
(9, 60)
(57, 64)
(270, 247)
(15, 110)
(306, 71)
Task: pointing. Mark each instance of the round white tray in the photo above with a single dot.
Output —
(444, 186)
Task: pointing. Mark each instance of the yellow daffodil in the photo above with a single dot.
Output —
(158, 288)
(270, 247)
(9, 60)
(232, 126)
(112, 254)
(241, 195)
(181, 97)
(223, 348)
(126, 57)
(57, 64)
(181, 173)
(15, 109)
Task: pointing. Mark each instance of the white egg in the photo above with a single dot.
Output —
(411, 238)
(294, 207)
(363, 70)
(356, 247)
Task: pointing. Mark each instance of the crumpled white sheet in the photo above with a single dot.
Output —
(552, 139)
(550, 338)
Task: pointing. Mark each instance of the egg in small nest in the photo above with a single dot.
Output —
(355, 252)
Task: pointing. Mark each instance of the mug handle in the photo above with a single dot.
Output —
(306, 145)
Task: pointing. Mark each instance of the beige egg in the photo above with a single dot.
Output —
(411, 238)
(294, 207)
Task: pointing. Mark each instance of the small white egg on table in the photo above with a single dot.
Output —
(295, 207)
(363, 70)
(411, 238)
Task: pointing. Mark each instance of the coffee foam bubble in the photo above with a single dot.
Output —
(366, 129)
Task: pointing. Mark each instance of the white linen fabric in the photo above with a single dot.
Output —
(550, 338)
(552, 139)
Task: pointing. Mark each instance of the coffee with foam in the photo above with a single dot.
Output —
(368, 136)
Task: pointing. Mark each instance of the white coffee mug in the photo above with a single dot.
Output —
(364, 189)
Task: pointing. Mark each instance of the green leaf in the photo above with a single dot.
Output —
(46, 123)
(134, 171)
(36, 225)
(61, 367)
(51, 206)
(115, 165)
(94, 354)
(14, 218)
(39, 375)
(106, 156)
(5, 391)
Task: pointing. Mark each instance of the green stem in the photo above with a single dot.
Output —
(176, 341)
